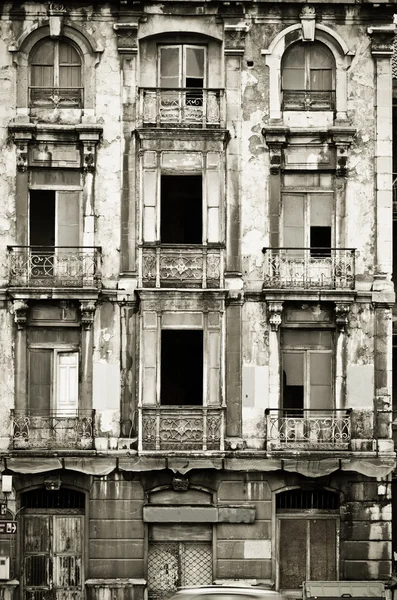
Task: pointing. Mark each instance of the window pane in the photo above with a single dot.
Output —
(42, 76)
(292, 553)
(40, 380)
(43, 54)
(68, 55)
(293, 218)
(320, 380)
(307, 339)
(320, 79)
(322, 550)
(321, 208)
(293, 381)
(69, 77)
(194, 67)
(320, 57)
(170, 67)
(293, 78)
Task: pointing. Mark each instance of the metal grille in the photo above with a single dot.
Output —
(307, 499)
(62, 498)
(174, 564)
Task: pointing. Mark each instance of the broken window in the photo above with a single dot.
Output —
(308, 77)
(307, 357)
(181, 367)
(181, 209)
(55, 75)
(307, 222)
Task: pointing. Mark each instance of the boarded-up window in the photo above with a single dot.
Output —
(307, 550)
(307, 357)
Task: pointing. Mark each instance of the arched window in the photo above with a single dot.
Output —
(55, 75)
(308, 77)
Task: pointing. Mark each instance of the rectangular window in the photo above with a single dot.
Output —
(307, 359)
(182, 66)
(54, 218)
(181, 367)
(53, 370)
(307, 222)
(181, 209)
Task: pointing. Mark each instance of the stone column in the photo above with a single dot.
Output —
(383, 353)
(274, 312)
(382, 49)
(87, 308)
(342, 310)
(21, 310)
(89, 138)
(276, 139)
(128, 49)
(234, 50)
(128, 400)
(233, 363)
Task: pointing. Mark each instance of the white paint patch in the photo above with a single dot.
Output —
(106, 386)
(360, 386)
(257, 549)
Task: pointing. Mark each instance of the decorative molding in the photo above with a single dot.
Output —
(235, 32)
(235, 297)
(21, 311)
(87, 308)
(127, 37)
(56, 12)
(382, 39)
(274, 311)
(52, 483)
(342, 137)
(180, 484)
(308, 23)
(342, 310)
(276, 138)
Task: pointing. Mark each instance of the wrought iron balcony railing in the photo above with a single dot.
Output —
(182, 266)
(58, 266)
(309, 268)
(182, 107)
(53, 430)
(308, 429)
(308, 100)
(182, 428)
(54, 97)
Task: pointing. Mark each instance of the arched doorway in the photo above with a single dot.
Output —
(52, 544)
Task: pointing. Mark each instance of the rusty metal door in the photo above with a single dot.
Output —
(52, 557)
(174, 564)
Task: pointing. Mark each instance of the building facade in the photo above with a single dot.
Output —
(196, 296)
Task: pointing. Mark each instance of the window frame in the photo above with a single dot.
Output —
(307, 352)
(56, 65)
(182, 64)
(55, 350)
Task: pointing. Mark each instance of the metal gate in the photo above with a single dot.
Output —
(174, 564)
(52, 557)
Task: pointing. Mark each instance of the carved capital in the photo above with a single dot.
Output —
(89, 140)
(87, 308)
(235, 297)
(21, 312)
(235, 32)
(127, 37)
(342, 310)
(274, 311)
(382, 39)
(342, 138)
(276, 139)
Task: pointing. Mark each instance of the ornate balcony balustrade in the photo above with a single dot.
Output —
(307, 429)
(308, 100)
(44, 97)
(308, 268)
(53, 430)
(180, 428)
(182, 266)
(183, 107)
(59, 266)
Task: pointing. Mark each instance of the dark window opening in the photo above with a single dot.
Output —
(42, 218)
(293, 398)
(307, 499)
(181, 209)
(62, 498)
(182, 367)
(320, 241)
